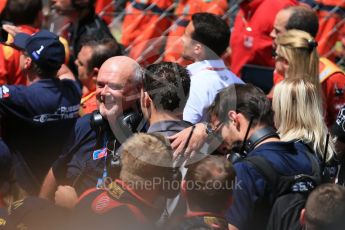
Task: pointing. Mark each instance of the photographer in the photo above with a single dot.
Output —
(234, 117)
(249, 112)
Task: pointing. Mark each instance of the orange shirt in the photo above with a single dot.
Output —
(331, 29)
(105, 9)
(10, 72)
(143, 26)
(88, 103)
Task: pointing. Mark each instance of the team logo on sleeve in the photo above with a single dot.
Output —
(4, 92)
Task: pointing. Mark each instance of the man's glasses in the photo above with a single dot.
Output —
(217, 128)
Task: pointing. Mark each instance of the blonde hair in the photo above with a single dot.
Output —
(298, 114)
(298, 48)
(144, 157)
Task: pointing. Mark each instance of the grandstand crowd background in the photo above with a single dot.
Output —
(156, 20)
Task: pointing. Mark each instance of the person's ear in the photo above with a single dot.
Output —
(27, 62)
(198, 49)
(302, 217)
(232, 116)
(94, 73)
(146, 100)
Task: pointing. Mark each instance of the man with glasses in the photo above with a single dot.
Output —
(243, 114)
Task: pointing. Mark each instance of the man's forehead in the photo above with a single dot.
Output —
(116, 72)
(282, 18)
(190, 28)
(114, 77)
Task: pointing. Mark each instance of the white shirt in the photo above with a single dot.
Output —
(207, 78)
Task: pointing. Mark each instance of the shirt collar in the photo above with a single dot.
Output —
(167, 125)
(197, 66)
(46, 82)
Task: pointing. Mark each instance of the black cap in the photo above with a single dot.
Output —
(43, 47)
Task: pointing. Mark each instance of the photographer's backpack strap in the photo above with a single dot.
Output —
(265, 169)
(288, 195)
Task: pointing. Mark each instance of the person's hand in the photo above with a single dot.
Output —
(11, 29)
(66, 196)
(189, 140)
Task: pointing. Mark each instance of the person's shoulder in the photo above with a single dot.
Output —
(336, 77)
(69, 83)
(84, 123)
(8, 92)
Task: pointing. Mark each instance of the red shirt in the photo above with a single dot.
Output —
(250, 38)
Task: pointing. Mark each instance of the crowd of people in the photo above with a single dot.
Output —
(169, 134)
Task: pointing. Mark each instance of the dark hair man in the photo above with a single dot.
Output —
(325, 208)
(231, 115)
(36, 118)
(207, 188)
(163, 97)
(205, 39)
(233, 109)
(332, 78)
(93, 53)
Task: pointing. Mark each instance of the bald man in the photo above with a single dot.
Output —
(83, 165)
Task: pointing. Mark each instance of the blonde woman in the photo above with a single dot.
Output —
(297, 57)
(298, 115)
